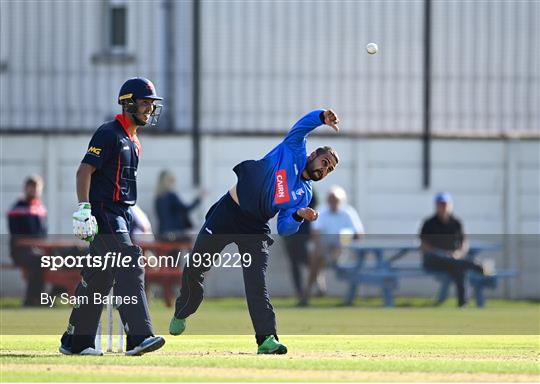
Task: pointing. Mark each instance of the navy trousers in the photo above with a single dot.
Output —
(225, 224)
(114, 222)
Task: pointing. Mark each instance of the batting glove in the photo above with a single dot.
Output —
(84, 224)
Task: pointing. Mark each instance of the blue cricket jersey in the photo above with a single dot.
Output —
(274, 184)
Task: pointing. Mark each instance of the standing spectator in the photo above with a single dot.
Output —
(335, 220)
(297, 246)
(444, 246)
(27, 219)
(172, 213)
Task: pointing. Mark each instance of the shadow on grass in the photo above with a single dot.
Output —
(28, 355)
(333, 302)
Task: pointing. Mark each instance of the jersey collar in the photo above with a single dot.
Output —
(125, 124)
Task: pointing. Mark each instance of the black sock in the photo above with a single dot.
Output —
(260, 339)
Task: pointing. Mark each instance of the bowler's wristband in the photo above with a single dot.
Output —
(297, 217)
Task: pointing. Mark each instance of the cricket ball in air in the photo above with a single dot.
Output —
(372, 48)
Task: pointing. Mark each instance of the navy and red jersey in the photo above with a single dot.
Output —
(115, 154)
(28, 217)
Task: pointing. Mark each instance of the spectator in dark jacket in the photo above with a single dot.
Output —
(172, 213)
(28, 219)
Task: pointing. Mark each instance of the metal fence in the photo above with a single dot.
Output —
(256, 66)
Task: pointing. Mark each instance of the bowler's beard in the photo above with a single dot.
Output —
(313, 173)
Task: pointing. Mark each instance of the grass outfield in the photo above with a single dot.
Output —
(322, 356)
(230, 317)
(311, 358)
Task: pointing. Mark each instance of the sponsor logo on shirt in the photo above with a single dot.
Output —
(94, 150)
(281, 192)
(298, 193)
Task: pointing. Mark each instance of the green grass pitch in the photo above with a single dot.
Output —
(326, 342)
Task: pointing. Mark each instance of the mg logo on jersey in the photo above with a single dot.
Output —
(281, 192)
(94, 150)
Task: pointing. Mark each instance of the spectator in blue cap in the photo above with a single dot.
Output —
(444, 246)
(443, 197)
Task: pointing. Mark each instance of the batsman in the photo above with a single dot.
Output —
(106, 188)
(280, 183)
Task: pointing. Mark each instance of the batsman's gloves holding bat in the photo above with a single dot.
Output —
(84, 224)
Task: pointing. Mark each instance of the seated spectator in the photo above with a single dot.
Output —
(444, 246)
(172, 213)
(336, 220)
(28, 219)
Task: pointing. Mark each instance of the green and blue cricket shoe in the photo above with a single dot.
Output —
(177, 326)
(271, 346)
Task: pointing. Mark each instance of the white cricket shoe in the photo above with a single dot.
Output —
(85, 352)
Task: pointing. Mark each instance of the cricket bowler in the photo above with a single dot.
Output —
(280, 183)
